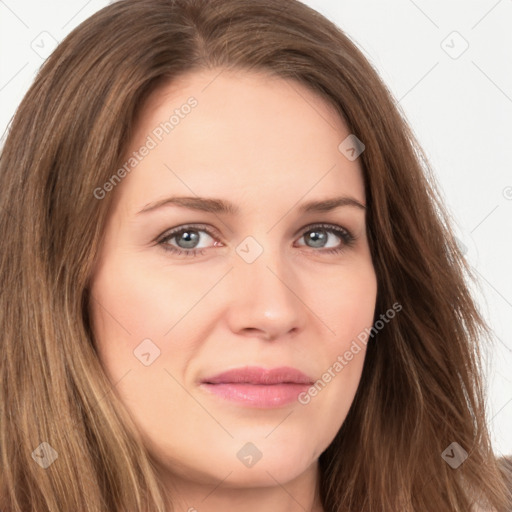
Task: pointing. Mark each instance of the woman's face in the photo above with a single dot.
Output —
(265, 288)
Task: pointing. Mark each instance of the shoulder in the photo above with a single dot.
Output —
(505, 463)
(505, 466)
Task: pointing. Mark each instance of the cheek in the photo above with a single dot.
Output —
(126, 309)
(133, 297)
(133, 308)
(133, 301)
(347, 304)
(348, 307)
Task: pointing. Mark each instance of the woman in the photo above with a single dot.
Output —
(145, 370)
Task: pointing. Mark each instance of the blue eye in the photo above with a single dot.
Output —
(319, 234)
(188, 237)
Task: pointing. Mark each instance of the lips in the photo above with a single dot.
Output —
(253, 386)
(257, 375)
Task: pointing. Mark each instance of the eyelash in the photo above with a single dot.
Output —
(344, 234)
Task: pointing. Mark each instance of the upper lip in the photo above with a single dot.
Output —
(258, 375)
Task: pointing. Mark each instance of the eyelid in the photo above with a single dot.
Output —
(183, 227)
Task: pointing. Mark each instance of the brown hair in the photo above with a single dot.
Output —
(421, 387)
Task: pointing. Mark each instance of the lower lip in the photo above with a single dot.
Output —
(258, 395)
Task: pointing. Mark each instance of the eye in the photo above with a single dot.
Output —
(319, 235)
(187, 239)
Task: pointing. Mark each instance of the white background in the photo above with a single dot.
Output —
(459, 106)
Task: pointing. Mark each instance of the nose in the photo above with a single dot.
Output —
(266, 297)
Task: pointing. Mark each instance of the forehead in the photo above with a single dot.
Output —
(244, 135)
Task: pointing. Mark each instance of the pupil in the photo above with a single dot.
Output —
(191, 238)
(317, 236)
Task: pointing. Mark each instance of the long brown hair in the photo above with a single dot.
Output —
(421, 387)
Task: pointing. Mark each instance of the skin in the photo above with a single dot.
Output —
(268, 145)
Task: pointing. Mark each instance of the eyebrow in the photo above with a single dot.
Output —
(213, 205)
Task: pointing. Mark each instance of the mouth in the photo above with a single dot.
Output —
(258, 387)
